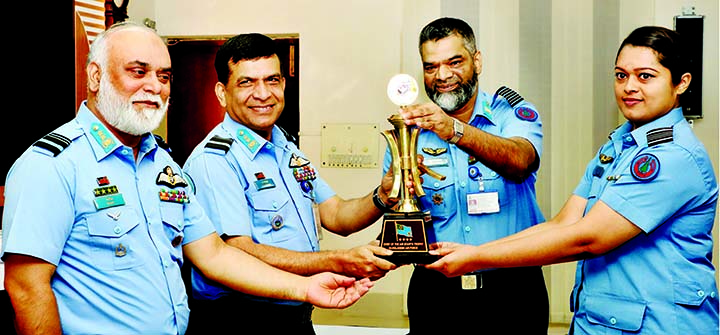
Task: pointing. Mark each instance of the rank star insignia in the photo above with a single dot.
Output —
(437, 199)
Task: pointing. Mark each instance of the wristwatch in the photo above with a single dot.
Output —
(381, 205)
(458, 129)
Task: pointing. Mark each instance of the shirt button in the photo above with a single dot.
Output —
(613, 321)
(117, 230)
(712, 294)
(628, 139)
(462, 184)
(436, 184)
(701, 293)
(467, 229)
(275, 205)
(124, 151)
(493, 174)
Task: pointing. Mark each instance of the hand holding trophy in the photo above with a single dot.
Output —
(405, 230)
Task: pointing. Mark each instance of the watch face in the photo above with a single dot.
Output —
(402, 89)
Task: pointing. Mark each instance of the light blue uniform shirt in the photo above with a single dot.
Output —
(447, 200)
(97, 214)
(252, 187)
(662, 281)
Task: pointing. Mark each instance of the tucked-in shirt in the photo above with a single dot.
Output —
(257, 188)
(659, 177)
(447, 199)
(113, 226)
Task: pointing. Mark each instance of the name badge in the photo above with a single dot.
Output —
(483, 202)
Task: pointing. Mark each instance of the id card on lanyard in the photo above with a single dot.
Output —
(482, 202)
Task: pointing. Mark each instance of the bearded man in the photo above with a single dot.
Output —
(489, 147)
(98, 217)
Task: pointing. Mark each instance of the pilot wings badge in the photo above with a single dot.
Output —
(297, 161)
(434, 151)
(170, 179)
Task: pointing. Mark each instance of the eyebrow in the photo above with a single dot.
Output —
(147, 66)
(445, 60)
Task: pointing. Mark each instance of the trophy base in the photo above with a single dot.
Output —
(403, 258)
(406, 235)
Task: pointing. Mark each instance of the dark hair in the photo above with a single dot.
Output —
(242, 47)
(668, 47)
(446, 26)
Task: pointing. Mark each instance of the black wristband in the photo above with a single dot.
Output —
(382, 206)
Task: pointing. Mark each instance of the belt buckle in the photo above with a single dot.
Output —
(471, 281)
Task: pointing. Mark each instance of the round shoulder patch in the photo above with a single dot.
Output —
(645, 167)
(526, 114)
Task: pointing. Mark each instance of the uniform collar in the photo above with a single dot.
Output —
(482, 109)
(102, 141)
(639, 135)
(250, 142)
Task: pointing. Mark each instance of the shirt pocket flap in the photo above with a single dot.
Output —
(268, 200)
(111, 224)
(615, 313)
(436, 184)
(172, 215)
(689, 293)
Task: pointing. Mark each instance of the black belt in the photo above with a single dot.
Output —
(478, 279)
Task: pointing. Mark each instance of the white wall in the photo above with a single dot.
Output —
(349, 49)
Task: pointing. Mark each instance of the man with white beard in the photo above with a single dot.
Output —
(98, 217)
(488, 146)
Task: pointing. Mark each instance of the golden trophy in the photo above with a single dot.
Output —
(406, 228)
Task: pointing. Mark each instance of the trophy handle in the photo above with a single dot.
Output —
(396, 168)
(413, 163)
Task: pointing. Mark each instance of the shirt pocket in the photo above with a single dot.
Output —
(615, 312)
(115, 238)
(173, 219)
(493, 182)
(271, 213)
(439, 197)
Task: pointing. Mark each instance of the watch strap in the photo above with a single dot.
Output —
(458, 129)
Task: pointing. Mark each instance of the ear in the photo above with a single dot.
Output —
(93, 77)
(220, 93)
(477, 59)
(684, 83)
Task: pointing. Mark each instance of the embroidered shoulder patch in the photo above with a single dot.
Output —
(645, 167)
(526, 114)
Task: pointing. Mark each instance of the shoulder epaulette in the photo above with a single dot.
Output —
(220, 143)
(659, 135)
(289, 137)
(161, 143)
(53, 142)
(511, 96)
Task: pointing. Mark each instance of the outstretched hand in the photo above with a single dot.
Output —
(329, 290)
(363, 261)
(428, 116)
(455, 258)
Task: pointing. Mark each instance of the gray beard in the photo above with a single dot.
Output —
(453, 100)
(121, 114)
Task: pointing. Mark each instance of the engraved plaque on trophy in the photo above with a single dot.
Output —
(406, 230)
